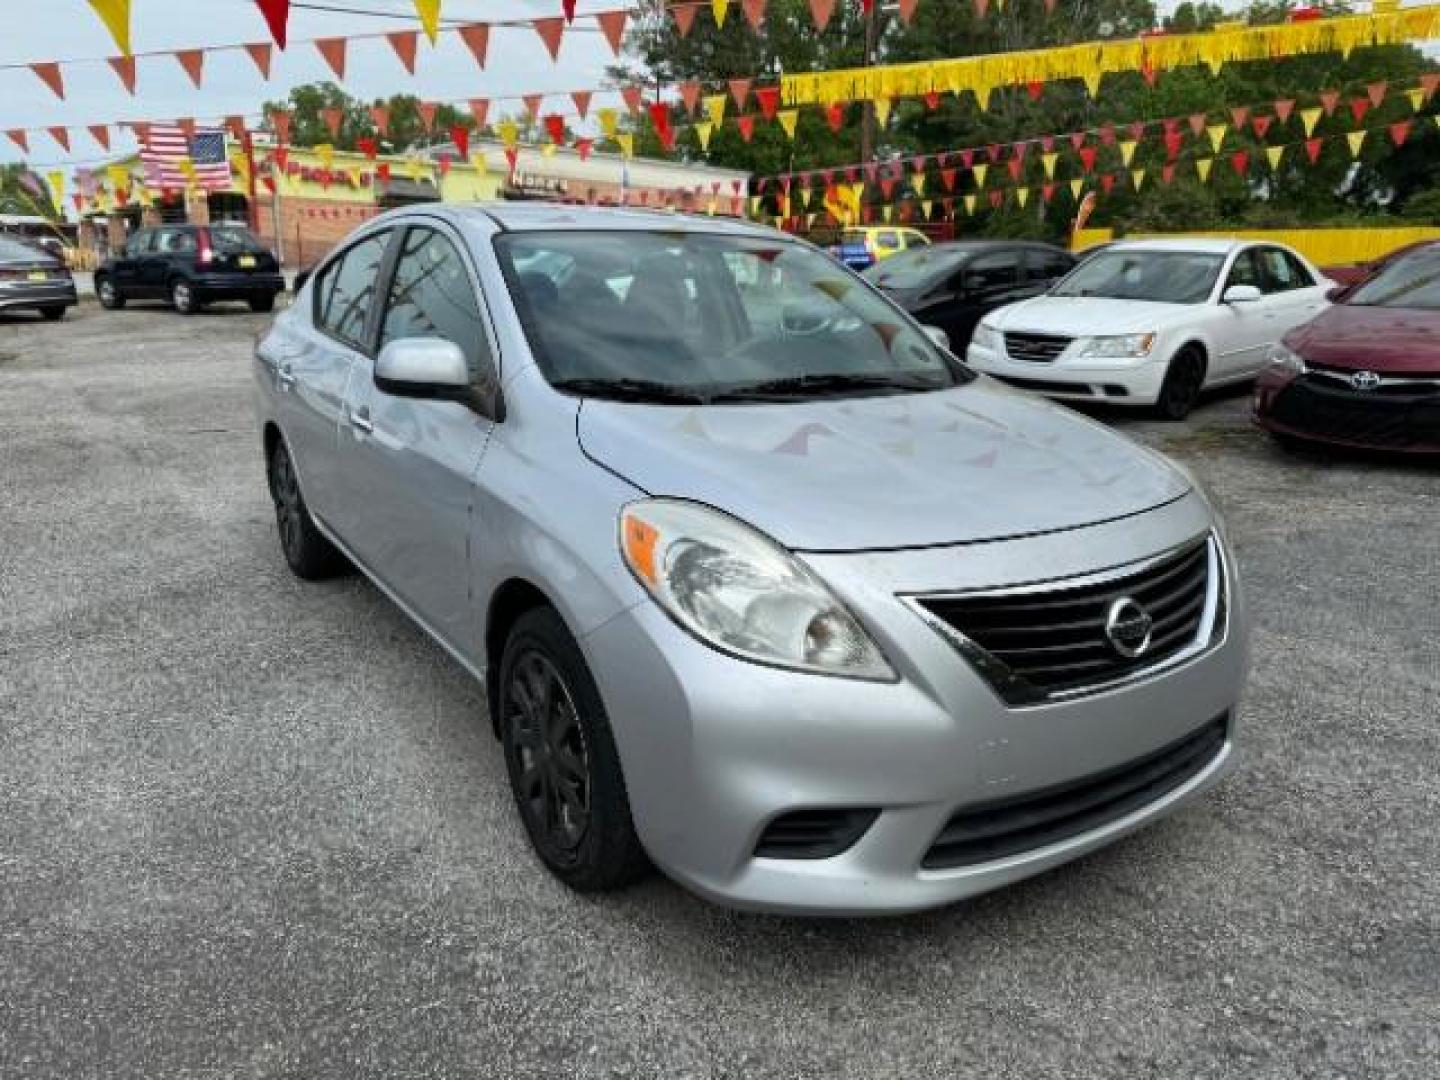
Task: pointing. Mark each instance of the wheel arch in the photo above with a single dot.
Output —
(511, 599)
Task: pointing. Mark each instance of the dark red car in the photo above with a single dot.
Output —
(1366, 372)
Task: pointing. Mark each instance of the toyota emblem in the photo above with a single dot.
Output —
(1128, 627)
(1364, 380)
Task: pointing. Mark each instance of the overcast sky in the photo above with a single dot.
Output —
(69, 29)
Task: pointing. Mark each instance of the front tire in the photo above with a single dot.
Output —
(183, 297)
(1184, 380)
(111, 298)
(309, 555)
(560, 754)
(53, 314)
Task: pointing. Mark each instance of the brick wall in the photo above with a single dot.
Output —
(309, 228)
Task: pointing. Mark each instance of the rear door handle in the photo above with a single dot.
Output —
(360, 421)
(284, 376)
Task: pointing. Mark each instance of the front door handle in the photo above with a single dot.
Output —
(284, 376)
(360, 421)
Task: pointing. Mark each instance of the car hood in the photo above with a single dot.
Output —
(979, 462)
(1082, 316)
(1371, 339)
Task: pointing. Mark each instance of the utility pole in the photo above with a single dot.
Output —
(867, 107)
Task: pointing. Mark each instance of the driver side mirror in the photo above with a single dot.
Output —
(1241, 294)
(428, 368)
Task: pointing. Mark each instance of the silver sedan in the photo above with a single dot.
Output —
(765, 587)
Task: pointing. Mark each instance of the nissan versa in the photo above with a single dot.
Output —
(765, 587)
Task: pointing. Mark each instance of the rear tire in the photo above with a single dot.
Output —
(111, 298)
(262, 303)
(309, 555)
(1184, 380)
(561, 758)
(184, 298)
(53, 314)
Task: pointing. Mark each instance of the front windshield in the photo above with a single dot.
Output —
(1166, 277)
(1412, 281)
(686, 317)
(916, 269)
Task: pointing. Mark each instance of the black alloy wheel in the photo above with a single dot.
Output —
(309, 554)
(1183, 382)
(111, 299)
(183, 297)
(548, 756)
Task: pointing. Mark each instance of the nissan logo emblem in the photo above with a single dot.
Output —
(1364, 380)
(1128, 627)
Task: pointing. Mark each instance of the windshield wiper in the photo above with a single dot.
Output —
(631, 390)
(806, 385)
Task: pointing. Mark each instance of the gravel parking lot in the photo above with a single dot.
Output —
(254, 827)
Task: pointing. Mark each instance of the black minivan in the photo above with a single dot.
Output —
(191, 265)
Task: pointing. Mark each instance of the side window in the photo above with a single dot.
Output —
(986, 273)
(1048, 265)
(175, 242)
(915, 239)
(889, 241)
(346, 289)
(1245, 271)
(1305, 279)
(1279, 272)
(139, 244)
(431, 295)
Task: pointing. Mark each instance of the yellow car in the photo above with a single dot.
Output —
(864, 247)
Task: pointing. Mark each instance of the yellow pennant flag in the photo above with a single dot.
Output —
(241, 164)
(887, 212)
(1048, 160)
(980, 171)
(1137, 177)
(412, 169)
(478, 160)
(710, 207)
(57, 184)
(1310, 117)
(785, 208)
(119, 176)
(715, 108)
(703, 130)
(626, 140)
(926, 207)
(115, 14)
(187, 166)
(1356, 139)
(1076, 186)
(1092, 81)
(754, 206)
(326, 153)
(609, 122)
(142, 196)
(970, 204)
(1217, 136)
(547, 149)
(787, 118)
(718, 8)
(882, 110)
(429, 12)
(1274, 153)
(1022, 196)
(1417, 98)
(917, 181)
(1127, 152)
(354, 174)
(510, 134)
(1202, 168)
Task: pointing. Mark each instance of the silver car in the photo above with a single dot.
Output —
(766, 588)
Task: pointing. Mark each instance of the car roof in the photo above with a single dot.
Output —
(1200, 245)
(551, 217)
(996, 245)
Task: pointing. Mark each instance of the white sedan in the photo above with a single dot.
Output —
(1153, 322)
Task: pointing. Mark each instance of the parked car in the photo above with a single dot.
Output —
(34, 279)
(1349, 274)
(1366, 372)
(863, 247)
(191, 266)
(763, 586)
(952, 285)
(1153, 322)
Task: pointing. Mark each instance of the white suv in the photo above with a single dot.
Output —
(1153, 322)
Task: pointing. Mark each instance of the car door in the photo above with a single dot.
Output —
(1044, 267)
(174, 249)
(125, 270)
(1242, 331)
(1292, 290)
(992, 280)
(408, 465)
(313, 365)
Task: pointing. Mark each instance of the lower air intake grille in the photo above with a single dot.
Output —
(813, 834)
(984, 833)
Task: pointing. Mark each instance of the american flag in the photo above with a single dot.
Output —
(168, 146)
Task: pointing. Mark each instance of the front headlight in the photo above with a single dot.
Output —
(1286, 361)
(1122, 346)
(985, 337)
(741, 592)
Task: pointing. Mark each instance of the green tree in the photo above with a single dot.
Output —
(19, 197)
(405, 130)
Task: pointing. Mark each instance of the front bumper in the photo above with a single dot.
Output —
(1120, 381)
(58, 292)
(715, 749)
(241, 285)
(1398, 415)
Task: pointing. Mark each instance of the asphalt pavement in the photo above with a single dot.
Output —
(252, 827)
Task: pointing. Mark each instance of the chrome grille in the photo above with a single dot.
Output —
(1050, 640)
(1035, 348)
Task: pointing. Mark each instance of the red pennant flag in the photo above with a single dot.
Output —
(996, 198)
(1399, 132)
(125, 68)
(141, 130)
(981, 7)
(907, 10)
(1240, 162)
(444, 164)
(1147, 69)
(852, 176)
(1312, 149)
(269, 182)
(404, 42)
(740, 90)
(746, 124)
(101, 134)
(1047, 192)
(380, 117)
(684, 18)
(1283, 109)
(1047, 143)
(555, 127)
(383, 172)
(918, 163)
(993, 153)
(755, 11)
(333, 51)
(660, 117)
(632, 96)
(281, 157)
(1017, 150)
(79, 201)
(1376, 92)
(280, 122)
(690, 95)
(581, 98)
(460, 136)
(932, 101)
(1167, 172)
(887, 188)
(568, 7)
(1107, 182)
(1077, 140)
(236, 124)
(1014, 165)
(61, 136)
(1035, 88)
(480, 110)
(1429, 83)
(1328, 100)
(835, 117)
(427, 111)
(821, 11)
(1173, 141)
(333, 119)
(947, 177)
(277, 17)
(1087, 158)
(1197, 124)
(1137, 129)
(1107, 134)
(768, 97)
(50, 75)
(550, 30)
(1239, 115)
(532, 104)
(193, 61)
(582, 147)
(612, 26)
(186, 124)
(871, 172)
(368, 147)
(1261, 126)
(1170, 124)
(967, 158)
(1359, 106)
(477, 40)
